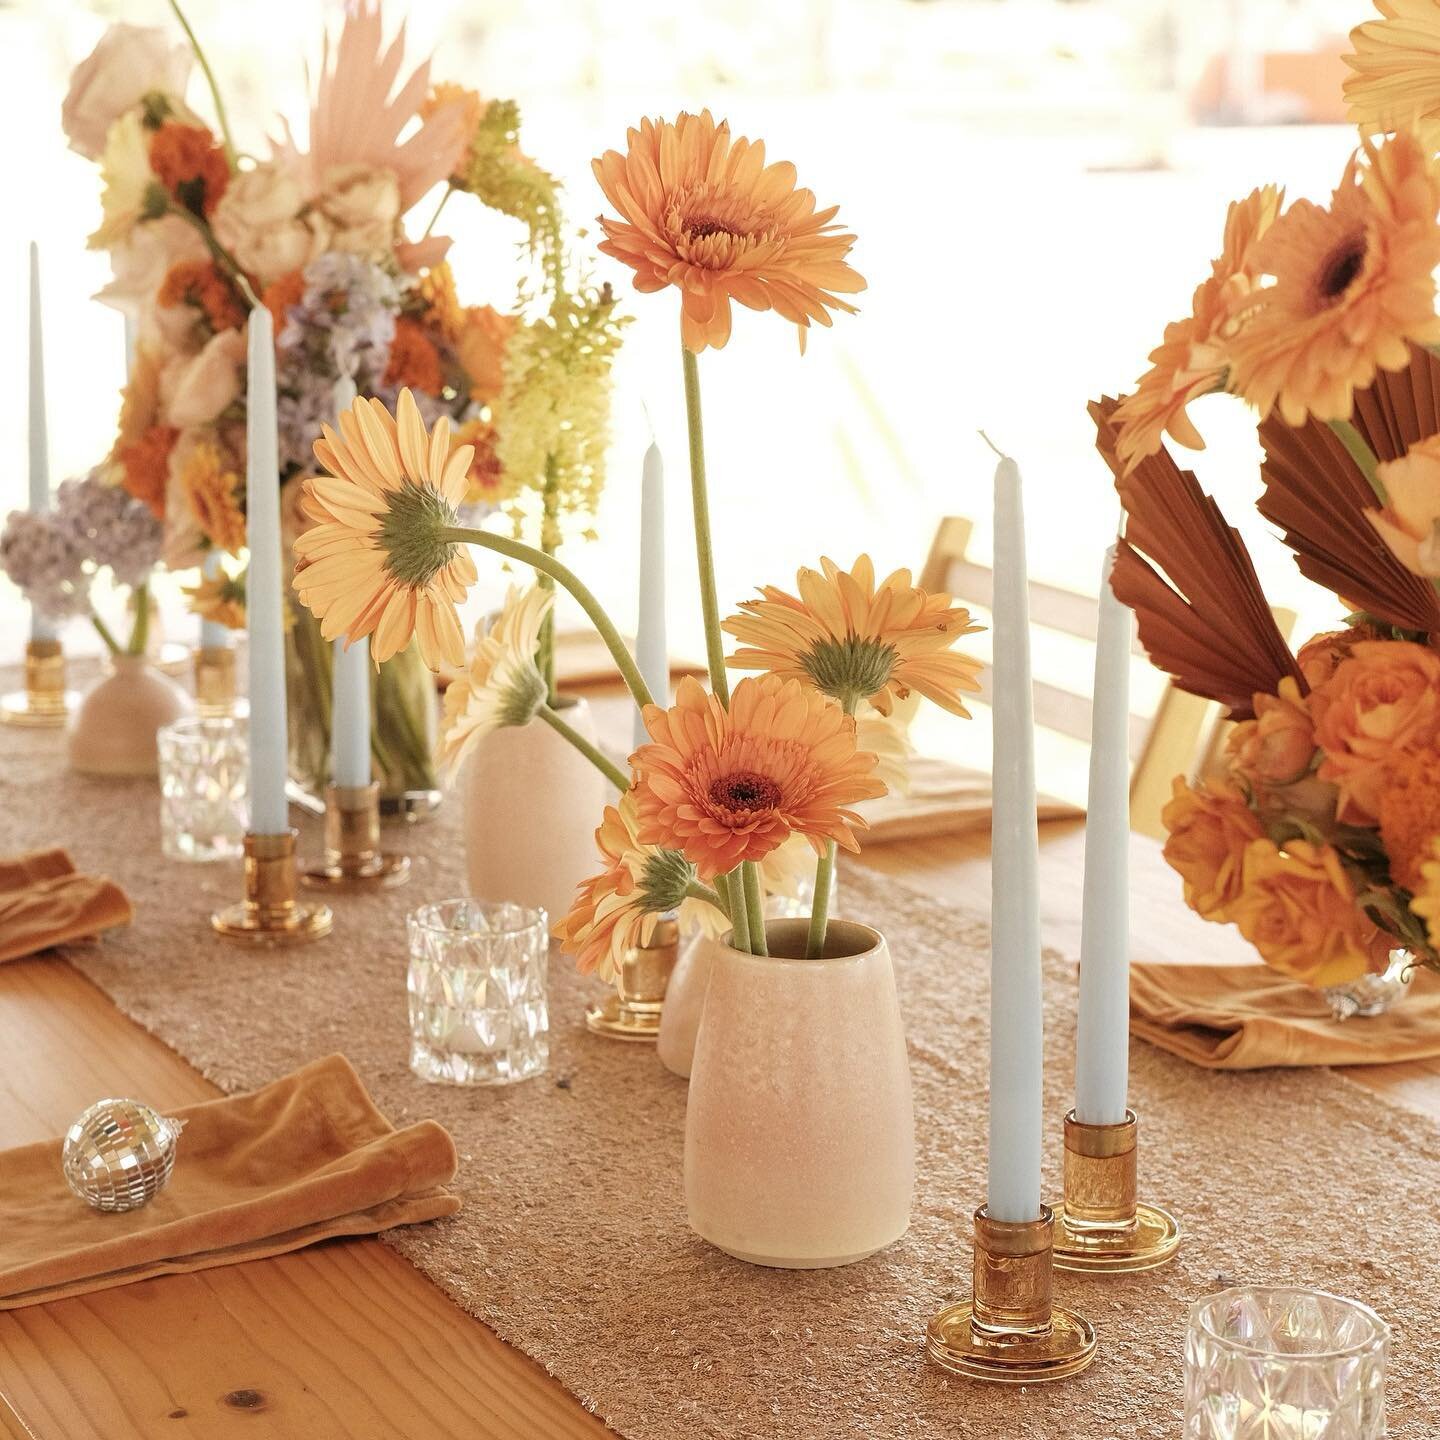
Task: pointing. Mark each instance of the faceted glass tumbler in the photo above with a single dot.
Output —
(1283, 1363)
(477, 985)
(203, 783)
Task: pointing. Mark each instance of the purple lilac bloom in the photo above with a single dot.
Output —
(38, 553)
(110, 527)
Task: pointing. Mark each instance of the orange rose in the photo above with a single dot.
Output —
(1297, 908)
(1320, 656)
(1278, 745)
(1380, 705)
(1209, 829)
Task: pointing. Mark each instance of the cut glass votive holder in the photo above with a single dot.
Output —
(477, 983)
(1283, 1363)
(203, 787)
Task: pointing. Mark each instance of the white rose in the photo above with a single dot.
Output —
(195, 389)
(258, 220)
(142, 261)
(362, 204)
(129, 62)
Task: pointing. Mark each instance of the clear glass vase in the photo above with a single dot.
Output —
(1371, 994)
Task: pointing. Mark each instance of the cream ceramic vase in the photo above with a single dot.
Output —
(684, 1002)
(113, 729)
(532, 806)
(800, 1132)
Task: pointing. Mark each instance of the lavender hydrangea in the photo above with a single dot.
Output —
(342, 327)
(38, 552)
(110, 527)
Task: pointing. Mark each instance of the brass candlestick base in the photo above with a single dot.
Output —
(1010, 1332)
(44, 703)
(1101, 1224)
(215, 680)
(633, 1011)
(353, 858)
(269, 914)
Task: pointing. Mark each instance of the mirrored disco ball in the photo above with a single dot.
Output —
(118, 1155)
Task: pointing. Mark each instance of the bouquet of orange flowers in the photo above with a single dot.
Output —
(363, 300)
(1321, 838)
(731, 783)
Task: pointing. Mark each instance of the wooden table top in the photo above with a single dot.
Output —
(346, 1339)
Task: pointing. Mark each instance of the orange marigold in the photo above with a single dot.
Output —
(1410, 815)
(190, 165)
(200, 283)
(144, 466)
(725, 786)
(414, 360)
(280, 295)
(212, 486)
(1209, 827)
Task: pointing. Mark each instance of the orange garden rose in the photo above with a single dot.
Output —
(1410, 815)
(1410, 522)
(1320, 656)
(707, 215)
(1278, 745)
(1296, 906)
(1194, 357)
(190, 165)
(1380, 705)
(727, 786)
(1209, 828)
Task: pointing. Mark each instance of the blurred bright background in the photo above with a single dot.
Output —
(1037, 187)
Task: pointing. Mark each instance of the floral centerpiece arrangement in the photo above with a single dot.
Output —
(728, 777)
(1320, 838)
(364, 301)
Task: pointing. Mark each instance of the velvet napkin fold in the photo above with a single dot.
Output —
(44, 902)
(1245, 1017)
(303, 1159)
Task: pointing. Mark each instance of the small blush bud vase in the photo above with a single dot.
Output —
(800, 1130)
(113, 730)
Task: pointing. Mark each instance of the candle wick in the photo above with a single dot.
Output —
(992, 445)
(650, 424)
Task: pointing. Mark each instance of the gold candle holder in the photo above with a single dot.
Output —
(1011, 1331)
(44, 703)
(632, 1011)
(269, 914)
(215, 680)
(1102, 1224)
(353, 858)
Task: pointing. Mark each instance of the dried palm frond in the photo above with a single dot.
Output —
(1317, 496)
(1199, 608)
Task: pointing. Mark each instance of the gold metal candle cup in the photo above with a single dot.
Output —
(44, 703)
(1011, 1331)
(215, 680)
(353, 858)
(1102, 1226)
(633, 1011)
(270, 913)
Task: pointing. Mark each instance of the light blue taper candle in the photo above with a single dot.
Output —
(41, 628)
(350, 711)
(651, 652)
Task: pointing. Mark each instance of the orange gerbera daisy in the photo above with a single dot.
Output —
(854, 640)
(711, 218)
(1397, 70)
(219, 598)
(1194, 357)
(1353, 286)
(725, 786)
(212, 485)
(376, 560)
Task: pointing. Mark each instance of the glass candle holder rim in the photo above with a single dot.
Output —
(208, 727)
(426, 917)
(1202, 1309)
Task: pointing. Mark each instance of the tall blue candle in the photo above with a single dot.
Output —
(40, 627)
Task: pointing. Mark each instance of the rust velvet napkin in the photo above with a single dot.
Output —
(304, 1159)
(1245, 1017)
(44, 902)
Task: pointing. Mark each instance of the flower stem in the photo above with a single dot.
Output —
(549, 528)
(549, 565)
(140, 630)
(592, 753)
(449, 191)
(103, 630)
(704, 552)
(698, 891)
(754, 907)
(210, 81)
(820, 905)
(733, 888)
(221, 256)
(1361, 454)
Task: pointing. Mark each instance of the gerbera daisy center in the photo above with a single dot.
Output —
(1340, 269)
(411, 533)
(745, 790)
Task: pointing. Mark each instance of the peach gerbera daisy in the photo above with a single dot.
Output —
(1194, 357)
(1353, 286)
(1410, 522)
(855, 640)
(727, 786)
(1397, 70)
(219, 598)
(376, 561)
(708, 216)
